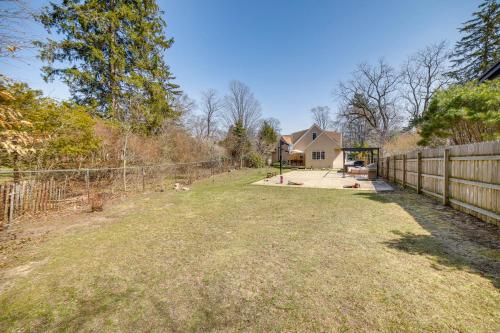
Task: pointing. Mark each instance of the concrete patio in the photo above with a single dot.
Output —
(325, 179)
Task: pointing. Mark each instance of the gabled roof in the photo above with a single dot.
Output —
(287, 139)
(491, 73)
(336, 136)
(326, 135)
(307, 131)
(295, 137)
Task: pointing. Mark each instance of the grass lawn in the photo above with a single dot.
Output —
(229, 256)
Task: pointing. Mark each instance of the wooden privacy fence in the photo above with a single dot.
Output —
(43, 190)
(467, 177)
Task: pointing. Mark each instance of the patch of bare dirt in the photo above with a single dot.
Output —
(32, 230)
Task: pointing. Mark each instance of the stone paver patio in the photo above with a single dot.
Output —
(325, 179)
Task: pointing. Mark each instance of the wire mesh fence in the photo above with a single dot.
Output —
(36, 191)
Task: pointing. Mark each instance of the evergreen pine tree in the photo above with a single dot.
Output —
(479, 48)
(237, 142)
(111, 57)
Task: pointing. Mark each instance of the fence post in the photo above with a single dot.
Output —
(11, 205)
(388, 162)
(446, 175)
(87, 183)
(124, 178)
(419, 172)
(65, 186)
(394, 171)
(143, 180)
(6, 203)
(404, 170)
(212, 170)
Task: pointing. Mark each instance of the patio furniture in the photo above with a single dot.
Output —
(372, 171)
(357, 171)
(368, 150)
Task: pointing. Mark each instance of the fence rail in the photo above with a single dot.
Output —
(36, 191)
(467, 177)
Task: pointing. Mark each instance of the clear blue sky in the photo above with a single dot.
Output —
(291, 53)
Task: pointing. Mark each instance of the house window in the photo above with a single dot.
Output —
(314, 135)
(318, 155)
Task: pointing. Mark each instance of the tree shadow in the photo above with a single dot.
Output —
(455, 239)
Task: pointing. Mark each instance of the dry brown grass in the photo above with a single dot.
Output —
(228, 256)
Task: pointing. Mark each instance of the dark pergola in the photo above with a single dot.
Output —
(358, 150)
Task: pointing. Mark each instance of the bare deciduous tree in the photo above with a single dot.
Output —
(355, 132)
(197, 126)
(371, 95)
(321, 117)
(242, 106)
(275, 124)
(423, 73)
(13, 38)
(185, 107)
(210, 107)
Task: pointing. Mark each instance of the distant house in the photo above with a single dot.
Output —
(492, 73)
(311, 148)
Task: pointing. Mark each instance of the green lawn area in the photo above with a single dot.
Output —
(229, 256)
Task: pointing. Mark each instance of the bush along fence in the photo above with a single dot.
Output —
(36, 191)
(467, 177)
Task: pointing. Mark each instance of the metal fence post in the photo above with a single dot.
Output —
(143, 179)
(124, 178)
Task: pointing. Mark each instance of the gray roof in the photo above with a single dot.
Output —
(491, 73)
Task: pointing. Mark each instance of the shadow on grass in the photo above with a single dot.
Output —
(455, 239)
(78, 308)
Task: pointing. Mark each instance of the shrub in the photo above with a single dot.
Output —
(63, 131)
(40, 132)
(463, 114)
(254, 160)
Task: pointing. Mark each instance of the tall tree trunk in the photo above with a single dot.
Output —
(113, 80)
(125, 162)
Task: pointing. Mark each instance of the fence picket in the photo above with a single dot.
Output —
(2, 202)
(11, 204)
(467, 176)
